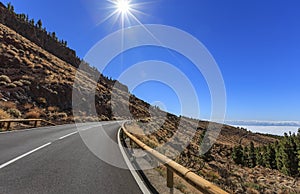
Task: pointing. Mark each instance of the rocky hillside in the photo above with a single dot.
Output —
(22, 24)
(216, 165)
(36, 83)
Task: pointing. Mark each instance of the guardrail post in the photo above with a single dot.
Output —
(170, 180)
(8, 125)
(35, 124)
(131, 146)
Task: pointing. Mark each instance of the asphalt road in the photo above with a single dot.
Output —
(56, 160)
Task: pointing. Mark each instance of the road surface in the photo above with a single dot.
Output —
(56, 160)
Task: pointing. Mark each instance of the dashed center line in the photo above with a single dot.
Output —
(43, 146)
(63, 137)
(24, 155)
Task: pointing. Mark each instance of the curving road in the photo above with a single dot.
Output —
(55, 160)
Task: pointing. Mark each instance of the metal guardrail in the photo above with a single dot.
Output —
(9, 121)
(199, 183)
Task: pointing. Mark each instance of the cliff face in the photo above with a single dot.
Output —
(37, 36)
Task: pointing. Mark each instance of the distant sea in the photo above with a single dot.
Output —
(268, 127)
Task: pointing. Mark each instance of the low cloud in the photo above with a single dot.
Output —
(264, 123)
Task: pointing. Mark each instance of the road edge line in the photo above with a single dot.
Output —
(136, 177)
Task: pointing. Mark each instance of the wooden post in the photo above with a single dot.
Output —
(170, 180)
(8, 125)
(35, 124)
(131, 146)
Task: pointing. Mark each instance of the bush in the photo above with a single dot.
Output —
(26, 77)
(62, 115)
(11, 85)
(42, 100)
(14, 112)
(5, 78)
(52, 108)
(4, 114)
(103, 118)
(3, 83)
(33, 114)
(28, 106)
(18, 83)
(25, 82)
(7, 105)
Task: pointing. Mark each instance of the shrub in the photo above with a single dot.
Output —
(18, 83)
(11, 85)
(62, 115)
(103, 118)
(7, 105)
(32, 114)
(25, 82)
(26, 77)
(42, 100)
(4, 114)
(52, 108)
(3, 83)
(14, 112)
(28, 106)
(5, 78)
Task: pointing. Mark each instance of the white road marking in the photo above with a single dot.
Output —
(45, 145)
(63, 137)
(24, 155)
(136, 177)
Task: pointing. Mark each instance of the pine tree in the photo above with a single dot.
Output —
(265, 157)
(272, 154)
(53, 35)
(237, 155)
(245, 157)
(288, 156)
(294, 155)
(252, 156)
(39, 24)
(298, 150)
(31, 22)
(10, 7)
(278, 155)
(259, 157)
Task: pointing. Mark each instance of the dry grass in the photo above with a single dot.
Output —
(32, 114)
(52, 109)
(7, 105)
(4, 114)
(28, 106)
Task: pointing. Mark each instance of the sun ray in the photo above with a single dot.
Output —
(108, 17)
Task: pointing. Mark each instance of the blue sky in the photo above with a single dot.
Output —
(255, 43)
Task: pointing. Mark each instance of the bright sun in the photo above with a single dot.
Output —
(123, 6)
(124, 10)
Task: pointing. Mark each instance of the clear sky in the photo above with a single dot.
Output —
(256, 44)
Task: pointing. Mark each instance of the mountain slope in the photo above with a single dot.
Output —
(34, 79)
(34, 83)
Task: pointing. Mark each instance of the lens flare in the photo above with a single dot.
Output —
(123, 6)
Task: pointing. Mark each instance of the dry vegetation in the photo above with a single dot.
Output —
(218, 166)
(36, 84)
